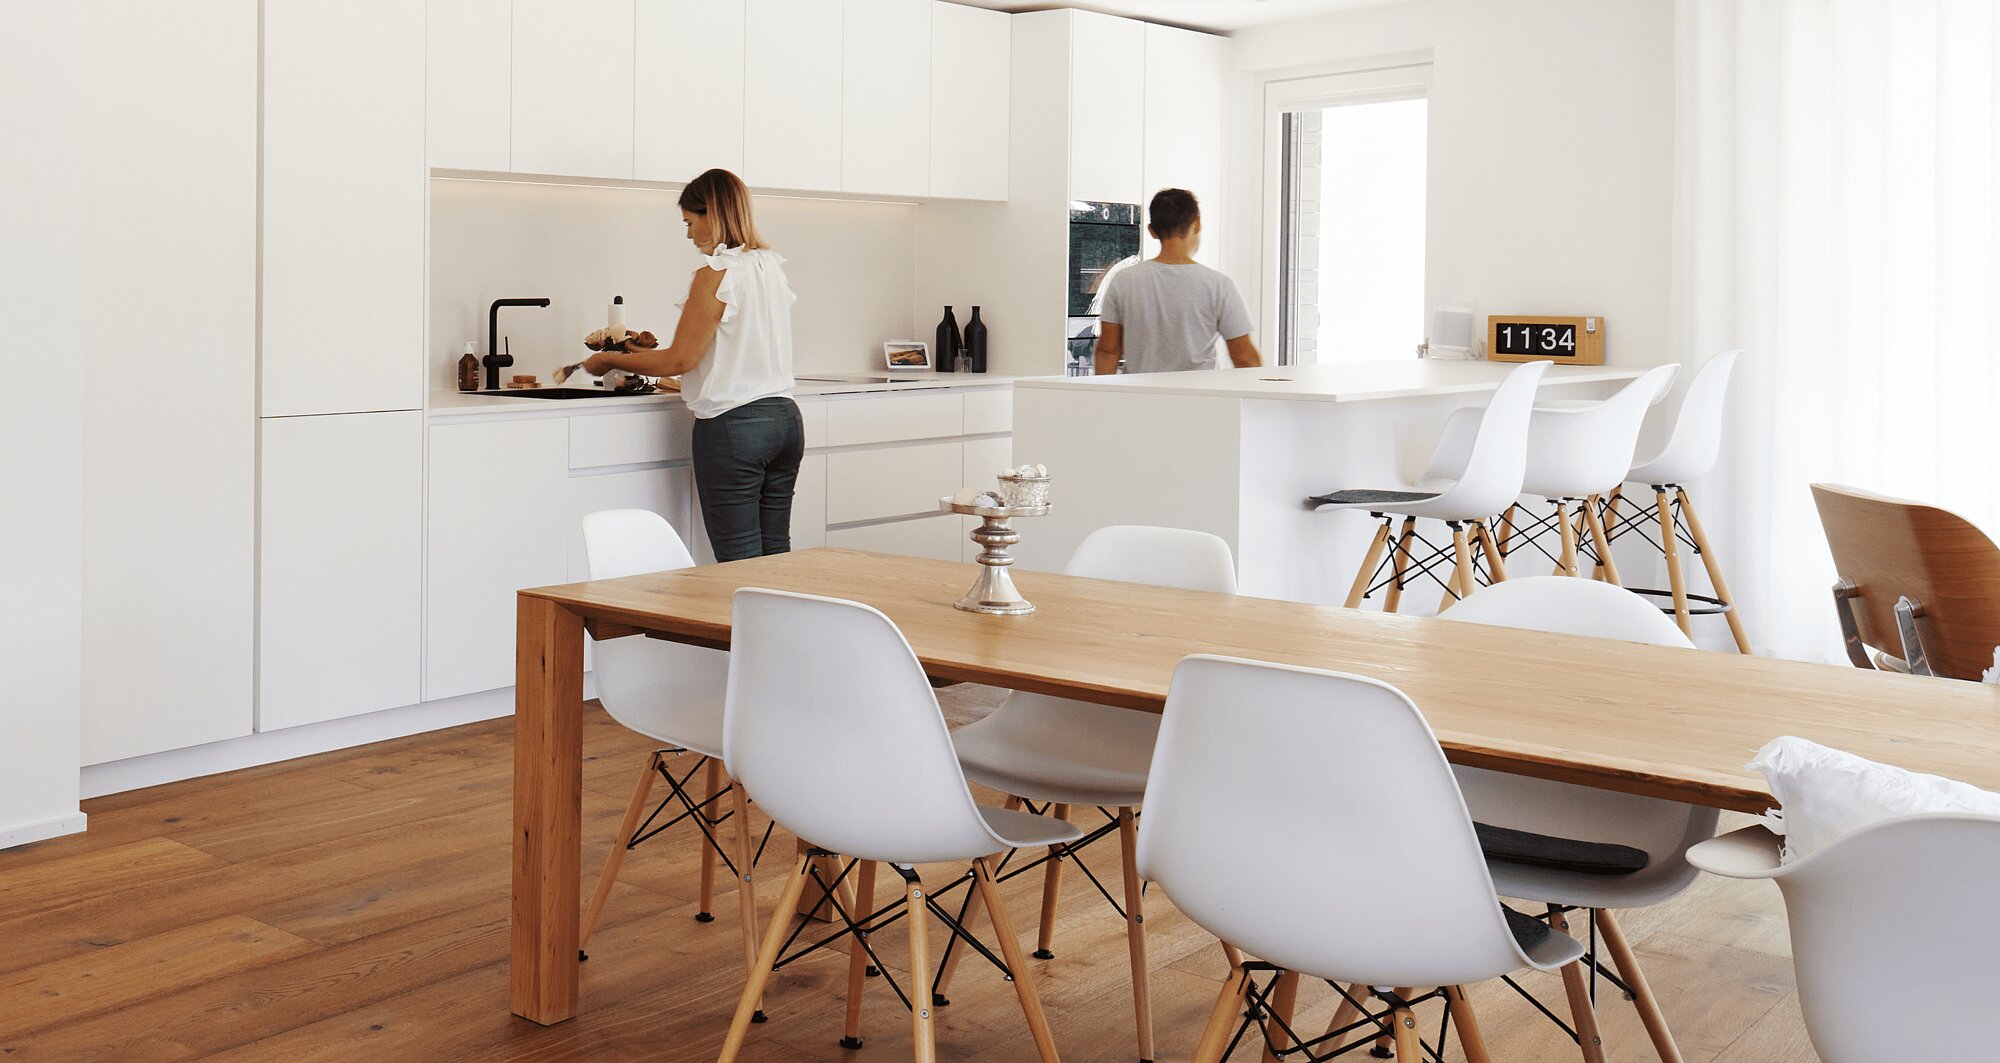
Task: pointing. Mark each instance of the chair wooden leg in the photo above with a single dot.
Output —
(923, 1037)
(1135, 930)
(1224, 1016)
(1010, 951)
(1232, 954)
(1462, 570)
(1467, 1023)
(1368, 563)
(1386, 1044)
(1507, 529)
(1715, 577)
(1642, 992)
(616, 857)
(1496, 565)
(746, 883)
(857, 958)
(711, 785)
(1051, 892)
(760, 973)
(1347, 1012)
(1670, 542)
(1600, 541)
(1399, 562)
(1583, 1015)
(1284, 1001)
(1409, 1049)
(1566, 524)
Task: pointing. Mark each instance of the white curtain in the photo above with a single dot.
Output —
(1837, 215)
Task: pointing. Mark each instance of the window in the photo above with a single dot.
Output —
(1350, 217)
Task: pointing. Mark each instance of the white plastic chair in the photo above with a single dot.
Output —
(1850, 906)
(1662, 830)
(1057, 752)
(1352, 859)
(833, 729)
(672, 694)
(1487, 480)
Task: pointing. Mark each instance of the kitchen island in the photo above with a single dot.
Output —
(1237, 451)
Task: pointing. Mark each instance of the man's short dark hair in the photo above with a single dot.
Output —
(1173, 213)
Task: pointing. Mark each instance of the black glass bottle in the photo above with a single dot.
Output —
(945, 355)
(975, 344)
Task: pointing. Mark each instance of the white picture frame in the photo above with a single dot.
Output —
(912, 356)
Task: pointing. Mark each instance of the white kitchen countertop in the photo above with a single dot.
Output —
(447, 403)
(1340, 382)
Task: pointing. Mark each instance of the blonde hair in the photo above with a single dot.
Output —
(721, 197)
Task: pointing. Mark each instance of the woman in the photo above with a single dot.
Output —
(733, 353)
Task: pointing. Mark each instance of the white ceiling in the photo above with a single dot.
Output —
(1219, 16)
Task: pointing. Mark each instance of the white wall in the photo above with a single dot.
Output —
(42, 46)
(1551, 148)
(852, 265)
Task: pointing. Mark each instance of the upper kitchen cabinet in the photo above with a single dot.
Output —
(468, 74)
(1107, 108)
(970, 57)
(572, 87)
(1184, 105)
(886, 98)
(344, 184)
(688, 88)
(792, 111)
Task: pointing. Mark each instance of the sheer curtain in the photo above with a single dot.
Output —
(1837, 215)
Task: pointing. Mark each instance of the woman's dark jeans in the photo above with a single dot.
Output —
(746, 462)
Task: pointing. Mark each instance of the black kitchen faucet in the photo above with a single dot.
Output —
(494, 359)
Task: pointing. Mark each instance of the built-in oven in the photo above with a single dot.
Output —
(1103, 238)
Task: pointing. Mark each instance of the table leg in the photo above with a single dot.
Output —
(548, 809)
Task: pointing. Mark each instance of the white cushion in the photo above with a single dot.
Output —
(1826, 794)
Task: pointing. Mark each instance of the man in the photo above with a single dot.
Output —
(1165, 314)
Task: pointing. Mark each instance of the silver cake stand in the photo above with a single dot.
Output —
(994, 593)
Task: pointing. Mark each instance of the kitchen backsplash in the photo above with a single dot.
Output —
(852, 265)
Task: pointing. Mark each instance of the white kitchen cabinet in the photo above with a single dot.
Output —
(989, 410)
(1185, 93)
(1107, 108)
(572, 87)
(340, 567)
(468, 72)
(809, 504)
(892, 481)
(500, 519)
(886, 98)
(985, 460)
(971, 70)
(688, 88)
(343, 210)
(168, 161)
(888, 418)
(933, 537)
(792, 109)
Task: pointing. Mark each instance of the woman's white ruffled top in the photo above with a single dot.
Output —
(752, 356)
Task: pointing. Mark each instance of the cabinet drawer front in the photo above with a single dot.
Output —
(892, 417)
(987, 412)
(630, 438)
(933, 537)
(813, 413)
(893, 482)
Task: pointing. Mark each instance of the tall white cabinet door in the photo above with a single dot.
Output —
(169, 164)
(792, 95)
(1185, 90)
(572, 77)
(971, 70)
(499, 520)
(809, 504)
(886, 98)
(344, 191)
(688, 88)
(468, 83)
(1107, 125)
(340, 567)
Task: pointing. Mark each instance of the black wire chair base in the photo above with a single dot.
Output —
(1709, 605)
(1436, 557)
(1257, 1014)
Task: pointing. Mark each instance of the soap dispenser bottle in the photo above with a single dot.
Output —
(468, 369)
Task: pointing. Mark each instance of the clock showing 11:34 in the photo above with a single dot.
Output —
(1529, 338)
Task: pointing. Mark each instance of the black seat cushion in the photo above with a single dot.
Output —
(1528, 931)
(1559, 854)
(1363, 496)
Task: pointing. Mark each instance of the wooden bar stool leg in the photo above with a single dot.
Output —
(1462, 571)
(1399, 561)
(1368, 563)
(1566, 566)
(857, 959)
(1233, 954)
(1714, 567)
(1670, 542)
(1388, 1042)
(712, 786)
(923, 1037)
(1284, 1001)
(1051, 892)
(1609, 518)
(1017, 964)
(1135, 930)
(1507, 529)
(1600, 541)
(1496, 563)
(746, 883)
(1223, 1017)
(760, 973)
(616, 857)
(1583, 1015)
(1642, 993)
(1409, 1049)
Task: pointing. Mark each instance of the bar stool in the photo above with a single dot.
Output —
(1690, 452)
(832, 727)
(1486, 478)
(672, 694)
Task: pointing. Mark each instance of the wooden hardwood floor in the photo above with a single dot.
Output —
(354, 905)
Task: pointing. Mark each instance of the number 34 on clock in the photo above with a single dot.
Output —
(1527, 338)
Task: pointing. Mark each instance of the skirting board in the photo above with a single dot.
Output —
(270, 747)
(42, 830)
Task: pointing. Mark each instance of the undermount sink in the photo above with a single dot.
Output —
(566, 393)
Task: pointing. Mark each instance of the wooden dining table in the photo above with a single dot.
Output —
(1663, 722)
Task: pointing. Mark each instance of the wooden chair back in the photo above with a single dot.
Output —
(1889, 548)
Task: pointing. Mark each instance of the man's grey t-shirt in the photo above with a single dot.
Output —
(1172, 314)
